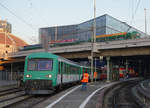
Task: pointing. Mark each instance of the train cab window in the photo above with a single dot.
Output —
(40, 64)
(44, 65)
(32, 65)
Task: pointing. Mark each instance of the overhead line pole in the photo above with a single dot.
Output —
(93, 40)
(56, 33)
(145, 23)
(94, 34)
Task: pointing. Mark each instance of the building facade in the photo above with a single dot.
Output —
(105, 24)
(8, 42)
(5, 26)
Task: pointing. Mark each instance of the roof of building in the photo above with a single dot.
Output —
(11, 39)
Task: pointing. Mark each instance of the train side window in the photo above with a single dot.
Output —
(75, 70)
(59, 68)
(62, 68)
(68, 69)
(72, 70)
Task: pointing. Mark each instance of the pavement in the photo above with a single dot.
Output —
(75, 98)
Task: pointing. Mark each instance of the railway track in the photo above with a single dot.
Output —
(16, 98)
(28, 101)
(11, 95)
(7, 88)
(121, 96)
(9, 91)
(142, 93)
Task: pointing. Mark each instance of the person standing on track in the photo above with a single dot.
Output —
(84, 81)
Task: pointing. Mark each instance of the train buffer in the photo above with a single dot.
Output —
(75, 98)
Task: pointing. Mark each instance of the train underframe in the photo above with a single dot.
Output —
(38, 87)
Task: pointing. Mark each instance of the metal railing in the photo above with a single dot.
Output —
(6, 75)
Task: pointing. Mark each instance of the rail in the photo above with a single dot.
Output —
(142, 93)
(116, 95)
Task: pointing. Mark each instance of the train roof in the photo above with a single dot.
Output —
(42, 55)
(68, 61)
(50, 55)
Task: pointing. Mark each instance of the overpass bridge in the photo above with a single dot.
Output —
(131, 52)
(109, 48)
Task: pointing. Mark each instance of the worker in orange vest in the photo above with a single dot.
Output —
(95, 76)
(85, 80)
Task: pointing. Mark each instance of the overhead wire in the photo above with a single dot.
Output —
(33, 7)
(36, 10)
(19, 18)
(133, 15)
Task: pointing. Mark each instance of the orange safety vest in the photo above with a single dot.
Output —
(95, 74)
(85, 77)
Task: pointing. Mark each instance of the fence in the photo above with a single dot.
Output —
(5, 75)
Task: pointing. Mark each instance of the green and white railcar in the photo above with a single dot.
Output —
(44, 72)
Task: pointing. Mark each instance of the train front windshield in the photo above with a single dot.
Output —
(40, 65)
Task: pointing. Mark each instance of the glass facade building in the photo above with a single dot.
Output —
(105, 24)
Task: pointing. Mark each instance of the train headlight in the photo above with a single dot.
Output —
(49, 76)
(28, 76)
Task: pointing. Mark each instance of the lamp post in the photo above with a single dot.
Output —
(93, 40)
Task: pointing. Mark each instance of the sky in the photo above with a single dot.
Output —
(35, 14)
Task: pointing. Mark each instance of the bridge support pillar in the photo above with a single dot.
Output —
(127, 67)
(145, 68)
(11, 71)
(109, 69)
(115, 72)
(140, 67)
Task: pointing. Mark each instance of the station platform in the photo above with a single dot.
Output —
(74, 97)
(7, 83)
